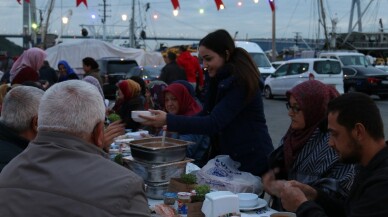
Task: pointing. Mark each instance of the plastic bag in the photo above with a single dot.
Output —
(222, 174)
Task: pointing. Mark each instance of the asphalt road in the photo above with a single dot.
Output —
(278, 120)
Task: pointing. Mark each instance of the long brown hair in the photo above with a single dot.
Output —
(241, 63)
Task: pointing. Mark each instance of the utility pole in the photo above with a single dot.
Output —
(132, 26)
(26, 25)
(103, 19)
(273, 34)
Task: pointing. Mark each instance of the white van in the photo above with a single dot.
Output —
(347, 58)
(258, 56)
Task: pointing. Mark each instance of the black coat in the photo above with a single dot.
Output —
(11, 145)
(368, 196)
(172, 72)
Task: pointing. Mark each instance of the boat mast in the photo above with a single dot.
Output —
(322, 19)
(132, 26)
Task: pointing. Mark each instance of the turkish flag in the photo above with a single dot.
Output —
(175, 4)
(82, 1)
(219, 3)
(28, 1)
(272, 4)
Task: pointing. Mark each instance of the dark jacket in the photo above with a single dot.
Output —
(126, 109)
(172, 72)
(368, 197)
(238, 125)
(49, 74)
(62, 175)
(11, 145)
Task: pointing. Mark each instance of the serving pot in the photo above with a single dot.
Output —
(151, 150)
(153, 173)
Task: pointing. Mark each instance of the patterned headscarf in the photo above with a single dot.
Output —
(33, 58)
(129, 88)
(95, 82)
(187, 105)
(312, 97)
(156, 90)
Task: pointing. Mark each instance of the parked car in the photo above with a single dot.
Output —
(369, 80)
(112, 70)
(147, 73)
(296, 71)
(382, 67)
(276, 64)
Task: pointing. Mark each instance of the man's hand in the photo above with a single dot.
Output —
(292, 197)
(308, 191)
(113, 130)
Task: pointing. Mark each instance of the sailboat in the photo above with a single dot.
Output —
(369, 43)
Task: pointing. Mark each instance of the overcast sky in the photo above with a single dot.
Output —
(250, 20)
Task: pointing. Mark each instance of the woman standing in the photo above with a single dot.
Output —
(233, 113)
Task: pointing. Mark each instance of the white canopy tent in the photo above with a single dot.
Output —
(73, 52)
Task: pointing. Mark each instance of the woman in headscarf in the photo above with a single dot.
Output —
(65, 71)
(26, 67)
(178, 101)
(190, 88)
(154, 99)
(128, 100)
(304, 154)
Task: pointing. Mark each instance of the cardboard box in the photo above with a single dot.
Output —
(177, 186)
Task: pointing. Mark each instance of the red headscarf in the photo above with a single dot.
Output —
(312, 97)
(187, 105)
(129, 88)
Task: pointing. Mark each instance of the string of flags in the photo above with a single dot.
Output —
(78, 2)
(175, 3)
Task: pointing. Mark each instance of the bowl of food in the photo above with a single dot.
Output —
(247, 199)
(135, 115)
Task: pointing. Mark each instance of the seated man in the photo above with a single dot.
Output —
(357, 134)
(64, 171)
(18, 121)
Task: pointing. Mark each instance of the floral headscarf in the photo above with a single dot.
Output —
(312, 97)
(187, 105)
(95, 82)
(33, 58)
(156, 90)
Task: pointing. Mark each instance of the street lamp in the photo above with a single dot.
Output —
(65, 20)
(124, 17)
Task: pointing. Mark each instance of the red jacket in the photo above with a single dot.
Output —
(191, 66)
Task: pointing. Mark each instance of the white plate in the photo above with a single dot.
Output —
(260, 204)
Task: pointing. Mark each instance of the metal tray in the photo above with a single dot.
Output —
(157, 172)
(150, 151)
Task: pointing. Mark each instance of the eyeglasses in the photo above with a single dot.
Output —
(295, 109)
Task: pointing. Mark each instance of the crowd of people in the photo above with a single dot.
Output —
(55, 136)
